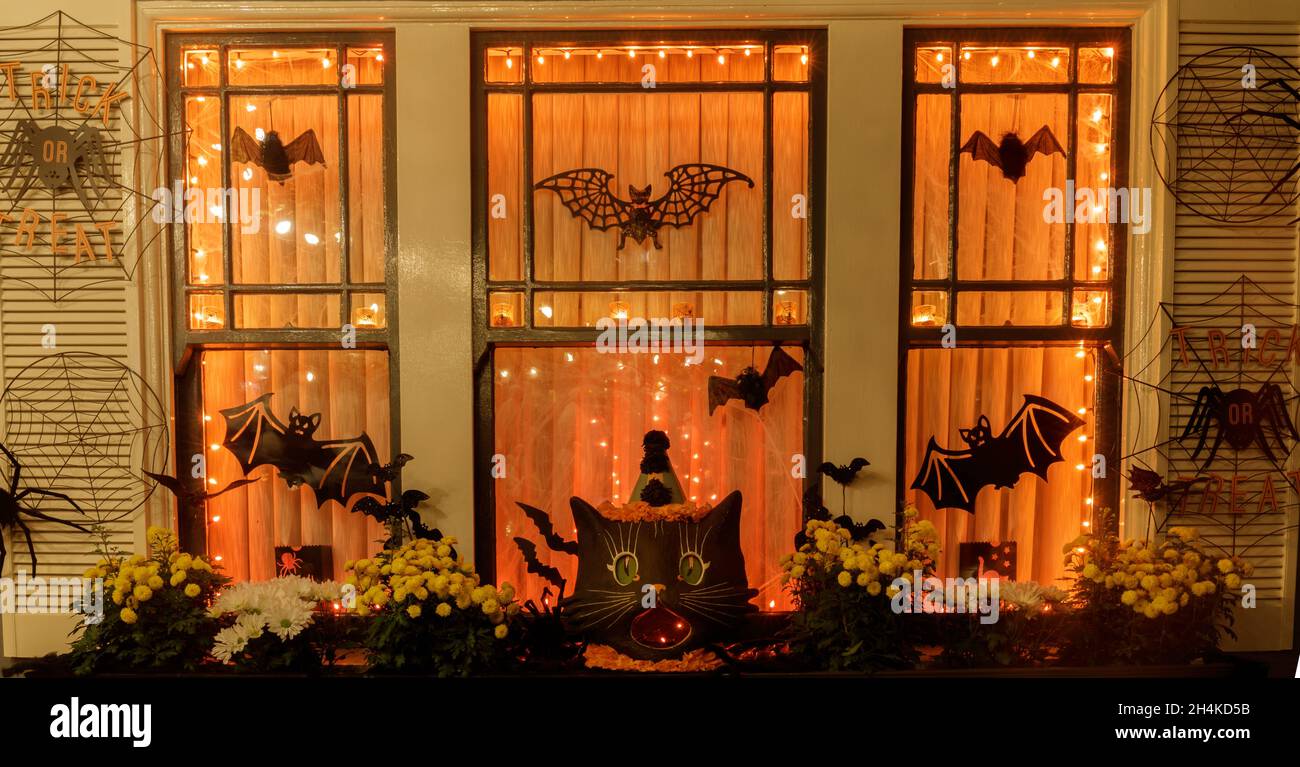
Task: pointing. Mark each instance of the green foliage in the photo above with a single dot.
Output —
(456, 645)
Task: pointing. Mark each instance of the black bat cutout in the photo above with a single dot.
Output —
(177, 487)
(1151, 487)
(844, 475)
(274, 156)
(1031, 442)
(535, 566)
(752, 386)
(334, 469)
(1012, 155)
(692, 188)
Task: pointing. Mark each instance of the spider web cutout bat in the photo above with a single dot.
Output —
(1031, 442)
(334, 469)
(1011, 155)
(274, 156)
(752, 386)
(692, 188)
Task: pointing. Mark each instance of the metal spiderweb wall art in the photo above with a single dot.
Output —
(80, 148)
(1218, 455)
(1225, 135)
(86, 427)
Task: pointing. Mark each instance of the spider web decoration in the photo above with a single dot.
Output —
(1229, 152)
(57, 160)
(85, 425)
(1189, 365)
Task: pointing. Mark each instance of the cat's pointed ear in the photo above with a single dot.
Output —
(585, 517)
(724, 519)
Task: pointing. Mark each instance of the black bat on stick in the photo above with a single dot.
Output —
(274, 156)
(334, 469)
(177, 487)
(1031, 442)
(1012, 155)
(752, 386)
(692, 187)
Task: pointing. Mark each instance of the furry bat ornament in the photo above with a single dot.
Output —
(1012, 155)
(1031, 442)
(273, 155)
(692, 187)
(334, 469)
(752, 386)
(1151, 487)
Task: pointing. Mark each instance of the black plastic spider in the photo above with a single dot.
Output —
(11, 509)
(1242, 417)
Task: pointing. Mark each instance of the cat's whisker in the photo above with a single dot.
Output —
(703, 612)
(612, 619)
(599, 608)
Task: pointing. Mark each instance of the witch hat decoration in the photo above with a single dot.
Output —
(658, 484)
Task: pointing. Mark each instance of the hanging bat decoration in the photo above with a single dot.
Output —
(692, 187)
(844, 475)
(1151, 487)
(752, 386)
(1031, 442)
(334, 469)
(187, 497)
(274, 156)
(1012, 155)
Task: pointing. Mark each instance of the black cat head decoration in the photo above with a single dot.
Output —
(655, 589)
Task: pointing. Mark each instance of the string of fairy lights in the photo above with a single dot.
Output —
(719, 54)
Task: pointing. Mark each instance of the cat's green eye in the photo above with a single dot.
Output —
(624, 568)
(691, 568)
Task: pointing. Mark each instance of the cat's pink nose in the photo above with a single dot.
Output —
(660, 628)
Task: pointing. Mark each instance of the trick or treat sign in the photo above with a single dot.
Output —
(1223, 454)
(77, 142)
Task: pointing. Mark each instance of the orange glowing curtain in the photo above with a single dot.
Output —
(350, 391)
(569, 421)
(297, 241)
(1002, 235)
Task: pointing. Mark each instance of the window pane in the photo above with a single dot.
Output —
(505, 220)
(931, 214)
(207, 311)
(1003, 234)
(201, 66)
(1021, 307)
(1093, 234)
(1091, 308)
(948, 390)
(675, 63)
(638, 138)
(503, 65)
(286, 311)
(570, 421)
(790, 213)
(366, 214)
(203, 220)
(929, 308)
(368, 311)
(296, 235)
(349, 388)
(367, 65)
(932, 62)
(506, 310)
(983, 63)
(282, 66)
(585, 309)
(1097, 65)
(790, 307)
(791, 63)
